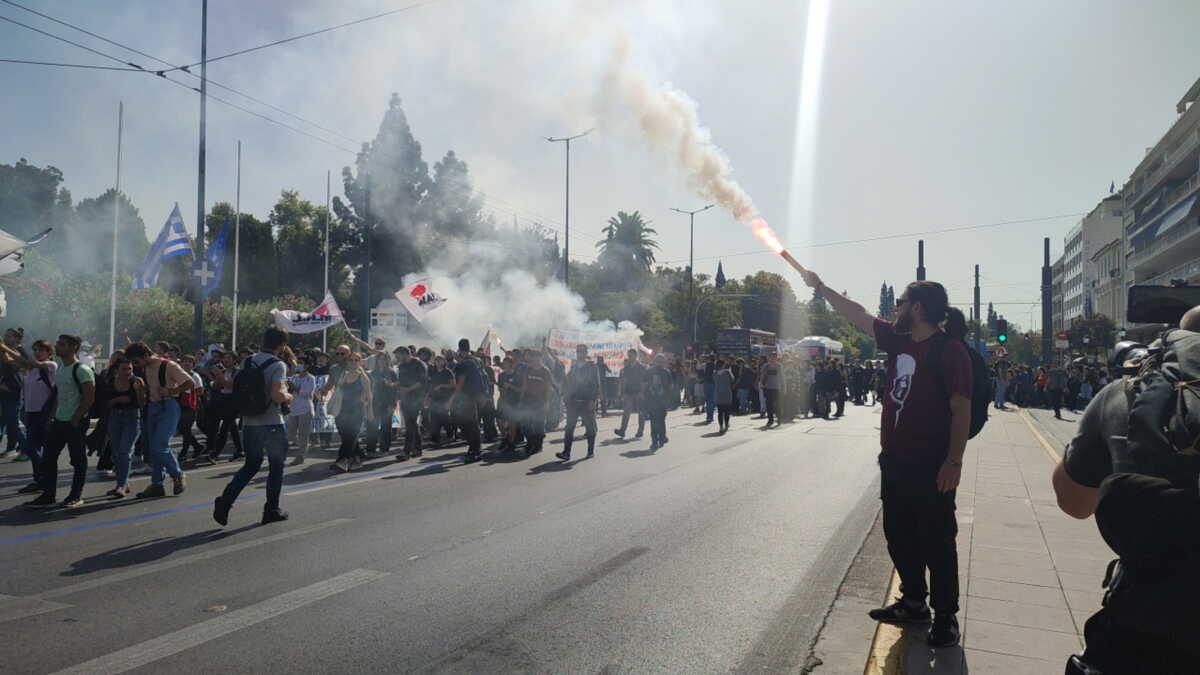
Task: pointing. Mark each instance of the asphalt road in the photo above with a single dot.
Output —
(715, 553)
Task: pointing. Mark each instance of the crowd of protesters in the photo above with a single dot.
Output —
(1056, 388)
(368, 401)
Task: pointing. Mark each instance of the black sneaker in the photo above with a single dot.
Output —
(152, 490)
(273, 516)
(221, 511)
(901, 612)
(944, 632)
(619, 432)
(29, 489)
(563, 456)
(46, 501)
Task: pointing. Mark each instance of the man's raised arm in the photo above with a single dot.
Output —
(848, 308)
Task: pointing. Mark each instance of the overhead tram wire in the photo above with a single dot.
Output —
(905, 235)
(309, 34)
(173, 66)
(69, 65)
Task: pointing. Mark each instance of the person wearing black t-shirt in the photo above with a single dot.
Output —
(10, 393)
(412, 378)
(659, 385)
(633, 375)
(581, 391)
(441, 386)
(464, 402)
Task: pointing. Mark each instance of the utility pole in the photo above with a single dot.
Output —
(978, 324)
(112, 299)
(692, 252)
(921, 260)
(325, 331)
(201, 229)
(368, 226)
(567, 208)
(1047, 305)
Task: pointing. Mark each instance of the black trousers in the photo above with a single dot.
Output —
(58, 436)
(466, 415)
(187, 418)
(487, 415)
(724, 412)
(576, 411)
(411, 410)
(920, 528)
(772, 411)
(533, 425)
(348, 427)
(226, 427)
(1112, 648)
(1056, 401)
(633, 404)
(658, 424)
(381, 438)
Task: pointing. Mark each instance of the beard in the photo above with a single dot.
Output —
(903, 324)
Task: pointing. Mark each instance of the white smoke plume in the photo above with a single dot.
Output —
(669, 123)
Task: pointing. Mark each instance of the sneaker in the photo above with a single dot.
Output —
(116, 493)
(21, 457)
(297, 461)
(471, 457)
(341, 466)
(180, 484)
(152, 490)
(72, 503)
(638, 435)
(44, 502)
(273, 516)
(619, 432)
(29, 489)
(901, 612)
(110, 474)
(221, 511)
(944, 632)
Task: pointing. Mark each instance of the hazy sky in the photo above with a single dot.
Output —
(929, 115)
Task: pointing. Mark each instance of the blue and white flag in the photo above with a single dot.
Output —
(171, 243)
(208, 271)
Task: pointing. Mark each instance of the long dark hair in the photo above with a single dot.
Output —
(933, 299)
(956, 324)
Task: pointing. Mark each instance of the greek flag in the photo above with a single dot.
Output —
(171, 242)
(208, 271)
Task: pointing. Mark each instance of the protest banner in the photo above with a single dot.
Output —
(419, 299)
(612, 347)
(326, 315)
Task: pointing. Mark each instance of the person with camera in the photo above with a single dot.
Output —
(1132, 464)
(260, 392)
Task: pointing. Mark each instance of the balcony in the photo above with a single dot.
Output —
(1170, 159)
(1185, 271)
(1163, 243)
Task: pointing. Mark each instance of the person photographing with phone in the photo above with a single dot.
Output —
(925, 424)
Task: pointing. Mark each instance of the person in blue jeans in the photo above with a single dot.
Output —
(165, 381)
(126, 395)
(10, 393)
(263, 432)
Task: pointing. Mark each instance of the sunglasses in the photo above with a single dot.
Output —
(901, 301)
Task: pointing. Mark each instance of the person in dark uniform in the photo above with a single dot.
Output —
(632, 376)
(412, 379)
(581, 392)
(469, 389)
(657, 391)
(537, 389)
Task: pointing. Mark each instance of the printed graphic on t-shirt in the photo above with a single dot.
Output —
(906, 367)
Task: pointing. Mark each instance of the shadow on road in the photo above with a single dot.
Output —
(148, 551)
(634, 454)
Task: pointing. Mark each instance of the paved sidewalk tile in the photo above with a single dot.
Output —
(1030, 574)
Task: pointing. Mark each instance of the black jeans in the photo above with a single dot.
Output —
(658, 424)
(576, 411)
(487, 413)
(920, 528)
(381, 439)
(533, 425)
(348, 427)
(724, 412)
(466, 414)
(187, 418)
(772, 410)
(1056, 401)
(226, 427)
(58, 436)
(411, 410)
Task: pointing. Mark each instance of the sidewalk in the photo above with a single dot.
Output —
(1029, 574)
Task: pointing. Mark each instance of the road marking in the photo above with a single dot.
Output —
(350, 479)
(13, 607)
(136, 656)
(1054, 456)
(887, 647)
(184, 560)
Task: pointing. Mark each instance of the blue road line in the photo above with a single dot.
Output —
(257, 494)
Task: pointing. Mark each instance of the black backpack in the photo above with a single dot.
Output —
(250, 396)
(981, 391)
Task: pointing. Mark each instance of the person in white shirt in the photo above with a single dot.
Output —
(302, 386)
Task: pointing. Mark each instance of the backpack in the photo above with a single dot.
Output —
(981, 392)
(250, 395)
(1164, 412)
(90, 412)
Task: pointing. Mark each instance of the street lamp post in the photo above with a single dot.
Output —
(692, 252)
(696, 316)
(566, 140)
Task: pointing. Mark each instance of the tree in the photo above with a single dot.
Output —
(88, 238)
(453, 207)
(258, 269)
(627, 250)
(32, 199)
(1097, 333)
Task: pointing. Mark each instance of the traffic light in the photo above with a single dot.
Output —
(1002, 331)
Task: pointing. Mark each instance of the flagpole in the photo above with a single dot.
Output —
(237, 229)
(325, 331)
(112, 302)
(201, 226)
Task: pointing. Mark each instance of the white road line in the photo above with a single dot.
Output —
(170, 644)
(14, 607)
(183, 560)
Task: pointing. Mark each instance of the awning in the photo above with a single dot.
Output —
(1163, 223)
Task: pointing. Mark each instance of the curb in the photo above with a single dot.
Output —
(887, 647)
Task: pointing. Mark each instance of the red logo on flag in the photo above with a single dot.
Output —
(323, 310)
(417, 291)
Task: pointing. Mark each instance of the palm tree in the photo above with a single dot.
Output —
(628, 248)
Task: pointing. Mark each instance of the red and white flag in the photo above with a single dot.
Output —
(326, 315)
(419, 299)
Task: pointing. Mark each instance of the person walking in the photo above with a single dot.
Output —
(469, 388)
(412, 380)
(723, 381)
(632, 375)
(302, 385)
(262, 396)
(75, 385)
(659, 384)
(924, 427)
(165, 381)
(770, 379)
(355, 387)
(37, 392)
(581, 393)
(383, 405)
(536, 389)
(1056, 386)
(126, 394)
(10, 393)
(223, 415)
(189, 405)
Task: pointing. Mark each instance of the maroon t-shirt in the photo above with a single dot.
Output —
(915, 426)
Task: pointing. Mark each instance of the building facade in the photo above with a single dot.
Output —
(1056, 293)
(1095, 231)
(1108, 287)
(1162, 221)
